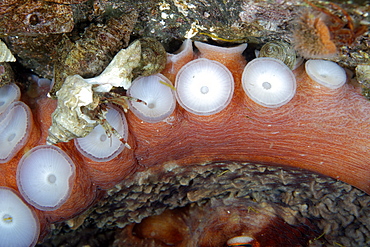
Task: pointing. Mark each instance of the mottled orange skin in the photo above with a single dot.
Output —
(214, 223)
(107, 174)
(89, 174)
(321, 130)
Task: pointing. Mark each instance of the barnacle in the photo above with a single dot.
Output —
(5, 54)
(69, 121)
(81, 102)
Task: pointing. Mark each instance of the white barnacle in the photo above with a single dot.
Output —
(119, 71)
(69, 121)
(5, 54)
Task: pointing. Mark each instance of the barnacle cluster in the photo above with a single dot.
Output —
(81, 102)
(69, 121)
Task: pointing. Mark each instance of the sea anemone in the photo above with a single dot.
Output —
(312, 38)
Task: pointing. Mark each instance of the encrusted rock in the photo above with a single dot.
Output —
(91, 54)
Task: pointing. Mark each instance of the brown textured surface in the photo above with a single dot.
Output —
(339, 210)
(213, 223)
(35, 18)
(168, 21)
(89, 55)
(267, 22)
(6, 74)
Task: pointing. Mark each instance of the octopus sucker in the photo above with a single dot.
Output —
(82, 102)
(295, 174)
(186, 152)
(281, 144)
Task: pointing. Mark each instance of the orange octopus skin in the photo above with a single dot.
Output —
(196, 225)
(83, 192)
(322, 130)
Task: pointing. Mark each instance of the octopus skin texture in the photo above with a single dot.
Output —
(322, 130)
